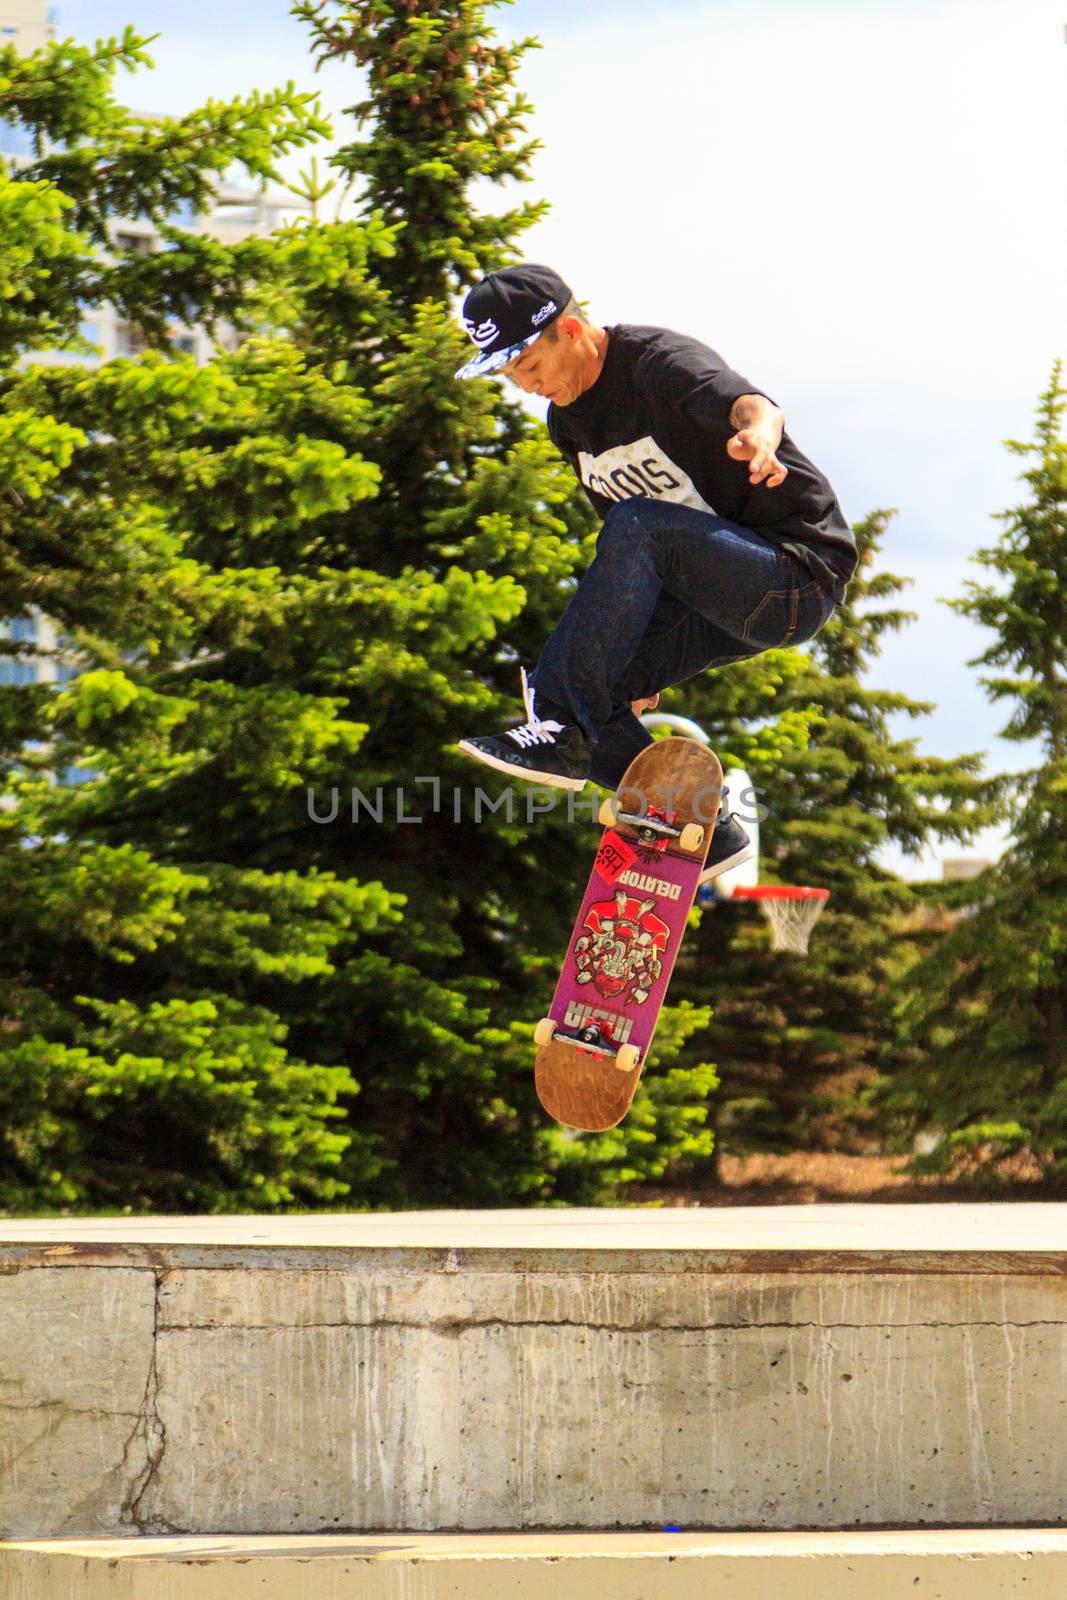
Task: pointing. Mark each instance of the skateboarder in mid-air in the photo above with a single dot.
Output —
(720, 538)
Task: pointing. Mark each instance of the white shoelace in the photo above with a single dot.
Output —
(533, 730)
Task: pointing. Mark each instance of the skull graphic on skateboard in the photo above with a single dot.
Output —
(594, 1042)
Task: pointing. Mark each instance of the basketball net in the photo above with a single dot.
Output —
(791, 911)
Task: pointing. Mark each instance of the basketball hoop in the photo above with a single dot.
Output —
(791, 910)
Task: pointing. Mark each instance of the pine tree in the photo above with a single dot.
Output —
(800, 1040)
(985, 1014)
(142, 1065)
(469, 482)
(473, 494)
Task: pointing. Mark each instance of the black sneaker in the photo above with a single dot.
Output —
(554, 753)
(730, 844)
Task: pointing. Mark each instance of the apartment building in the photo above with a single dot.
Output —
(27, 24)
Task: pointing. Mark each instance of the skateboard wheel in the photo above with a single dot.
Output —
(692, 837)
(626, 1057)
(545, 1031)
(608, 813)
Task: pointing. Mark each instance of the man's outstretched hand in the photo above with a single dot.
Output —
(754, 446)
(759, 423)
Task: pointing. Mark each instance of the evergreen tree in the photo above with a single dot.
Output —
(799, 1040)
(142, 1064)
(470, 484)
(985, 1014)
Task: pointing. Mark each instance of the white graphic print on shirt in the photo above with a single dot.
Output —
(641, 468)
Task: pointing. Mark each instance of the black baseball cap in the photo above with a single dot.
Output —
(507, 311)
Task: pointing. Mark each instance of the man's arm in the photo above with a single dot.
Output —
(759, 424)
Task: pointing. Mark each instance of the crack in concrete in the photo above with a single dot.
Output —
(64, 1408)
(150, 1426)
(472, 1324)
(50, 1427)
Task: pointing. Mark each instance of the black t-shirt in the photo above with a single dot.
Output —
(655, 424)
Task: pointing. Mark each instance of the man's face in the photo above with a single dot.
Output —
(553, 369)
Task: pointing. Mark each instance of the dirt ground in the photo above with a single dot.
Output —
(804, 1179)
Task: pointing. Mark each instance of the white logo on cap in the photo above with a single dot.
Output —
(482, 334)
(545, 311)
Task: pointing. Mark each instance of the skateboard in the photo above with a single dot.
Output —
(594, 1042)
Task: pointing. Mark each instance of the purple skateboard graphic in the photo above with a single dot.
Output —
(594, 1041)
(624, 946)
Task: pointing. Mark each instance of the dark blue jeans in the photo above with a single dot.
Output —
(672, 592)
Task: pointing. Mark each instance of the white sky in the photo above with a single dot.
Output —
(860, 205)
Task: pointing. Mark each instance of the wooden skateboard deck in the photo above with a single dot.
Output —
(627, 935)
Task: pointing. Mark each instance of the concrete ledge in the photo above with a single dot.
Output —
(945, 1237)
(821, 1367)
(1024, 1564)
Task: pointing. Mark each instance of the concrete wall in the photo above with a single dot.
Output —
(196, 1388)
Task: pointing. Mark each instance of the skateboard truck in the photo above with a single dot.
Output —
(592, 1037)
(653, 829)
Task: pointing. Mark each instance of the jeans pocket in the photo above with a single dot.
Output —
(784, 613)
(773, 622)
